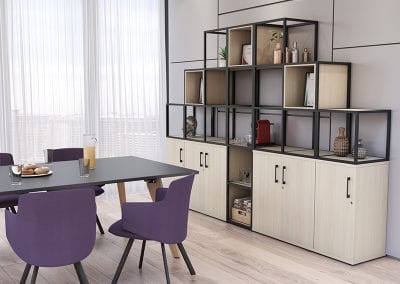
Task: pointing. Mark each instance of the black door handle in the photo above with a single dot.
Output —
(180, 155)
(276, 179)
(347, 188)
(283, 175)
(201, 156)
(205, 160)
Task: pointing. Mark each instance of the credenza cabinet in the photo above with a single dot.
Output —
(335, 209)
(283, 197)
(209, 188)
(351, 210)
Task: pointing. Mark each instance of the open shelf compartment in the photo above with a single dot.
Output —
(215, 87)
(194, 120)
(216, 118)
(194, 87)
(371, 126)
(273, 118)
(322, 85)
(237, 39)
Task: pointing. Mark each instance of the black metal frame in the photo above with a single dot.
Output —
(231, 109)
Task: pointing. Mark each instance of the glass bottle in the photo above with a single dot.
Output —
(295, 53)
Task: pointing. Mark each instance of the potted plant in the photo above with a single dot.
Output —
(222, 57)
(276, 37)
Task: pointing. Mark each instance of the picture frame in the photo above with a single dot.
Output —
(309, 90)
(247, 54)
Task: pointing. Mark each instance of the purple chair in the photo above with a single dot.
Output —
(9, 200)
(70, 154)
(164, 221)
(53, 229)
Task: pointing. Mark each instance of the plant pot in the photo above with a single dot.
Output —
(221, 62)
(278, 54)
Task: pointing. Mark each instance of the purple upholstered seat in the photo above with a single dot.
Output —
(164, 220)
(70, 154)
(9, 200)
(53, 229)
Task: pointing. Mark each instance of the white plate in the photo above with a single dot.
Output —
(33, 176)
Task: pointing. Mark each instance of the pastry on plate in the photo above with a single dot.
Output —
(42, 171)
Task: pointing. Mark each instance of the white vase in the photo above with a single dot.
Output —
(221, 62)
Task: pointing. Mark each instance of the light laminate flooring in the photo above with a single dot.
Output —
(220, 253)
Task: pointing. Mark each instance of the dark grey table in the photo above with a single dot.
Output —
(108, 170)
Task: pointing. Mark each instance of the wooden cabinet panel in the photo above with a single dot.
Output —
(298, 184)
(215, 176)
(193, 160)
(267, 194)
(175, 152)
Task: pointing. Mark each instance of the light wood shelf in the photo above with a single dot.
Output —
(265, 47)
(193, 87)
(237, 38)
(215, 87)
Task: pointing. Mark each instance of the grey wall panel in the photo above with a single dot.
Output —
(188, 19)
(320, 10)
(375, 85)
(360, 22)
(232, 5)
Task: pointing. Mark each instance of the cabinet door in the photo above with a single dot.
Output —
(194, 159)
(215, 177)
(175, 152)
(267, 194)
(334, 210)
(298, 184)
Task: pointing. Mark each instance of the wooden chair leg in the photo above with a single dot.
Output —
(165, 263)
(142, 254)
(99, 225)
(186, 258)
(25, 274)
(34, 275)
(81, 273)
(122, 262)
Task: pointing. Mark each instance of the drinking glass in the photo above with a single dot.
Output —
(89, 149)
(15, 174)
(84, 167)
(48, 156)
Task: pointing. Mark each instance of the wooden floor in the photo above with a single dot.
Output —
(220, 253)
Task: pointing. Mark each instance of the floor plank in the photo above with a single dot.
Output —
(220, 253)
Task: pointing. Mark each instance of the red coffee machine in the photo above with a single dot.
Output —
(263, 132)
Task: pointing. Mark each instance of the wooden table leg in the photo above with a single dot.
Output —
(152, 186)
(121, 192)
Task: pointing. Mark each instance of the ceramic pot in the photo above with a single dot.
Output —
(341, 144)
(362, 151)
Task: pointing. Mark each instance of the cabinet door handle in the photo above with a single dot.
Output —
(283, 175)
(347, 188)
(276, 179)
(205, 160)
(180, 155)
(201, 157)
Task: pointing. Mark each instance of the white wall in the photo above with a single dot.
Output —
(355, 24)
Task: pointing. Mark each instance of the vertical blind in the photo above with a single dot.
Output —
(70, 67)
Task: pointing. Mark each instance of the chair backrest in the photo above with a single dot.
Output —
(175, 210)
(53, 228)
(6, 159)
(67, 154)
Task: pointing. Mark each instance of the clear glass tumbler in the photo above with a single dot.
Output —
(15, 174)
(84, 165)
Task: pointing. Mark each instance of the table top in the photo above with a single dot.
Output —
(108, 170)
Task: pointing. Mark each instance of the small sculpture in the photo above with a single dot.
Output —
(191, 125)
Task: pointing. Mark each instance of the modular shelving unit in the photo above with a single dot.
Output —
(237, 95)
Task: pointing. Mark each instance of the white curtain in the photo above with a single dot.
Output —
(69, 67)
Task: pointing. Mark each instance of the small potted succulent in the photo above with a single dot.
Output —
(276, 37)
(222, 57)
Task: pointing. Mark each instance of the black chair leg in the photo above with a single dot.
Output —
(13, 210)
(186, 258)
(165, 263)
(99, 225)
(25, 274)
(81, 273)
(34, 275)
(122, 262)
(142, 254)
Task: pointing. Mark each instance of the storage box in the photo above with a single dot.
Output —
(241, 216)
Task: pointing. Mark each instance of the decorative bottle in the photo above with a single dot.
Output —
(341, 144)
(288, 56)
(306, 55)
(295, 53)
(278, 53)
(362, 151)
